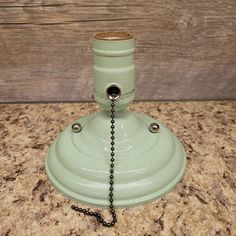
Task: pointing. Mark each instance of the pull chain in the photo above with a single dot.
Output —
(96, 214)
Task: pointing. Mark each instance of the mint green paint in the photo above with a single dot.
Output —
(113, 64)
(147, 165)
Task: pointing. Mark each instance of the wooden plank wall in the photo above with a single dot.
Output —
(185, 49)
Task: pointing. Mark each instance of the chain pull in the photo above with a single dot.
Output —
(96, 214)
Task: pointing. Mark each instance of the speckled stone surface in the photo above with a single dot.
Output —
(204, 203)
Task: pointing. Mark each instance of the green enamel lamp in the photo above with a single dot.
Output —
(149, 159)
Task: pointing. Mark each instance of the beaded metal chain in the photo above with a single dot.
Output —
(96, 214)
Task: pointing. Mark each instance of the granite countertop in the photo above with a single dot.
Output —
(204, 203)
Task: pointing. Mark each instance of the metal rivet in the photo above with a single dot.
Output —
(76, 127)
(154, 127)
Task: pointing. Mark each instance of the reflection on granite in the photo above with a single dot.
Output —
(204, 203)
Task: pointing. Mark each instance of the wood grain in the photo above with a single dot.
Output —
(185, 50)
